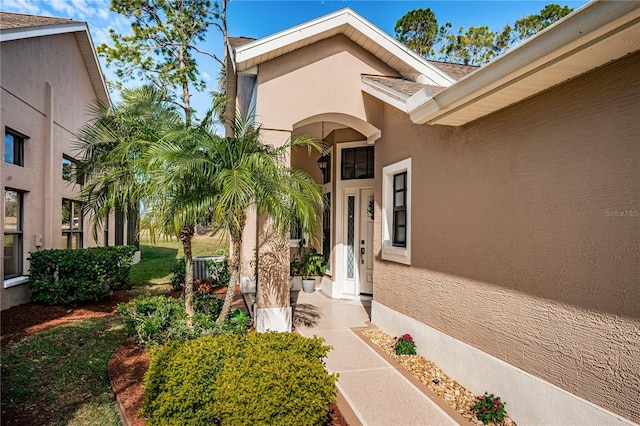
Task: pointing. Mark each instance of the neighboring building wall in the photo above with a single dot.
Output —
(526, 237)
(45, 93)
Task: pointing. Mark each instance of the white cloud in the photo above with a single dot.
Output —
(100, 35)
(81, 9)
(206, 77)
(22, 6)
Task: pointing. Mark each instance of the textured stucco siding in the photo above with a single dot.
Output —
(526, 234)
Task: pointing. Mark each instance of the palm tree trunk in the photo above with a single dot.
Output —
(186, 234)
(231, 289)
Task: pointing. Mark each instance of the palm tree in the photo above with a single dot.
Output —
(224, 177)
(114, 148)
(141, 152)
(111, 147)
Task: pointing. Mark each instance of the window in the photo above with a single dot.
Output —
(12, 233)
(326, 230)
(357, 163)
(119, 237)
(71, 224)
(396, 212)
(295, 232)
(400, 209)
(70, 170)
(13, 148)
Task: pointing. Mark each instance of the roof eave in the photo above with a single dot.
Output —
(461, 102)
(339, 22)
(385, 94)
(40, 31)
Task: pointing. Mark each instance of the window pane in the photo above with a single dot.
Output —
(67, 169)
(76, 240)
(12, 255)
(350, 236)
(361, 163)
(400, 237)
(398, 199)
(398, 181)
(66, 214)
(77, 215)
(12, 202)
(64, 242)
(9, 144)
(399, 228)
(358, 163)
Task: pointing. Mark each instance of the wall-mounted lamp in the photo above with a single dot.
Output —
(323, 163)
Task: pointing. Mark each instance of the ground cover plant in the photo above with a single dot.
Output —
(59, 376)
(151, 321)
(256, 378)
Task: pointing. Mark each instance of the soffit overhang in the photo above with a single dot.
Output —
(85, 44)
(347, 22)
(594, 35)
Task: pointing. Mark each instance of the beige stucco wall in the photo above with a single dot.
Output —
(526, 234)
(28, 67)
(324, 77)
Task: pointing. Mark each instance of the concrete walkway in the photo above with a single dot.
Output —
(378, 392)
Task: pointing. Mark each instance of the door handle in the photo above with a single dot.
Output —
(362, 255)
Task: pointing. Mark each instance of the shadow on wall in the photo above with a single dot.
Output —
(273, 269)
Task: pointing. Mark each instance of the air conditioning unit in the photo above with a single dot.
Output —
(201, 268)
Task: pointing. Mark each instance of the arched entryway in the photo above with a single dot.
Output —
(348, 184)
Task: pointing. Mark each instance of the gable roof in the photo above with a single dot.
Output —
(597, 33)
(399, 57)
(10, 20)
(17, 26)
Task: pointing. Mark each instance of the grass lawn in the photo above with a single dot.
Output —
(158, 259)
(60, 375)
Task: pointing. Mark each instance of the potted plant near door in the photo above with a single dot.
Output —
(311, 265)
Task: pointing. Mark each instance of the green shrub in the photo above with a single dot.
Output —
(208, 304)
(220, 273)
(67, 276)
(178, 277)
(256, 378)
(152, 320)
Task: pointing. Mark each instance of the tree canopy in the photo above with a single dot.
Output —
(162, 48)
(418, 30)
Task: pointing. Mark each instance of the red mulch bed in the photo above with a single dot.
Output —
(126, 367)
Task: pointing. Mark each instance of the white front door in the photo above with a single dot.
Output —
(358, 238)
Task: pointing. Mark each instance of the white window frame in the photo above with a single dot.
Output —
(389, 251)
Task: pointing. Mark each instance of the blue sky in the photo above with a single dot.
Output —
(259, 18)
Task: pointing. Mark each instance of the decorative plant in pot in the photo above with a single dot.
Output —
(311, 265)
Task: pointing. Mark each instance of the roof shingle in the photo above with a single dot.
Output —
(456, 71)
(18, 20)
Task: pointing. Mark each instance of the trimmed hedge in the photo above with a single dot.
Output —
(67, 276)
(257, 378)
